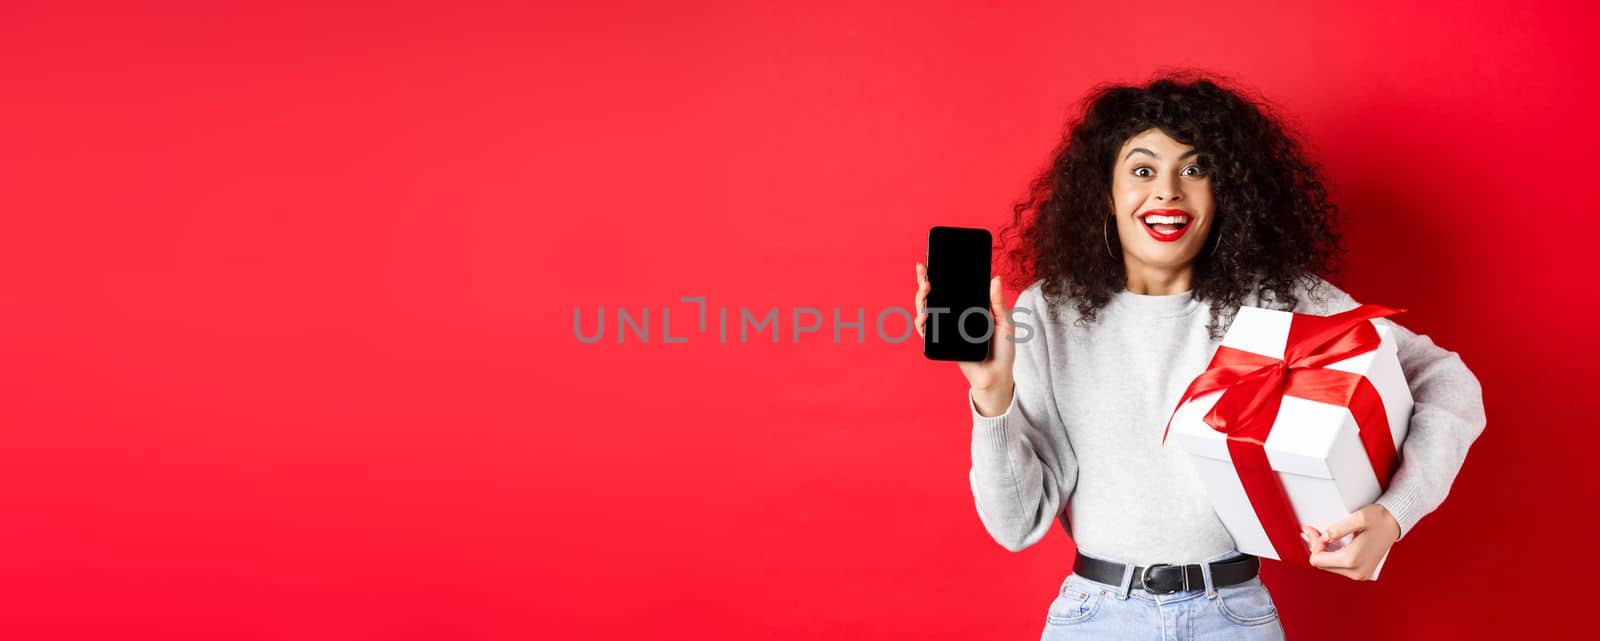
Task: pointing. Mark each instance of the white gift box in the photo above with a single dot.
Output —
(1314, 447)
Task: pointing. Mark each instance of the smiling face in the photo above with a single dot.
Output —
(1161, 193)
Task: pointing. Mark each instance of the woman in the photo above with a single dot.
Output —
(1161, 201)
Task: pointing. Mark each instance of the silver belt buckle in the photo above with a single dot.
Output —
(1144, 578)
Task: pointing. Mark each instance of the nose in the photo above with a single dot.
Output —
(1168, 190)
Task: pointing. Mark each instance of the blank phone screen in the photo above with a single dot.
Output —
(958, 281)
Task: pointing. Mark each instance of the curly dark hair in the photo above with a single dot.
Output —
(1272, 213)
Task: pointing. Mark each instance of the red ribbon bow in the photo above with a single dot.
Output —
(1253, 389)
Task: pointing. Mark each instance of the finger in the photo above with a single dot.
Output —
(1324, 560)
(1315, 534)
(1313, 538)
(1355, 522)
(997, 301)
(1343, 559)
(919, 304)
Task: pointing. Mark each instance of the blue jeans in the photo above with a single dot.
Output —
(1086, 609)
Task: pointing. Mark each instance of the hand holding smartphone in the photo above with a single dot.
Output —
(953, 292)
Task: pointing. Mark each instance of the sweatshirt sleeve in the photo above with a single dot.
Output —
(1023, 468)
(1447, 416)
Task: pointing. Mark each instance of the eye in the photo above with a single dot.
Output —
(1144, 169)
(1197, 170)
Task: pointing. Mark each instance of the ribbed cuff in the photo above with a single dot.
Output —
(1009, 405)
(992, 429)
(1405, 504)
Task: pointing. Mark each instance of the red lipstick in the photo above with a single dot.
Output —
(1166, 237)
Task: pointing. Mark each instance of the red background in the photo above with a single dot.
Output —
(288, 295)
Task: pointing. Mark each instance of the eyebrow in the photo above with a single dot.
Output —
(1152, 154)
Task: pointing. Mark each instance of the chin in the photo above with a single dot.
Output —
(1166, 260)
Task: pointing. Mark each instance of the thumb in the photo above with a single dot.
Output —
(997, 302)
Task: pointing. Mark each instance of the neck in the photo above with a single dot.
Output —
(1153, 281)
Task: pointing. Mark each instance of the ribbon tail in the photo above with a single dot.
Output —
(1315, 341)
(1208, 381)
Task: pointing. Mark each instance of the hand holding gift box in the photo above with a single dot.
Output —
(1296, 420)
(1373, 530)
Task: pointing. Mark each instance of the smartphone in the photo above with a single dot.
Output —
(959, 325)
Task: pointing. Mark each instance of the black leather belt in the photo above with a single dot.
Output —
(1167, 579)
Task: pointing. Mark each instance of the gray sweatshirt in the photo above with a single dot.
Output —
(1081, 440)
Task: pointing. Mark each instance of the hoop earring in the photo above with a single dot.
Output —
(1106, 234)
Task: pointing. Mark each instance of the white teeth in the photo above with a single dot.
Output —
(1167, 220)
